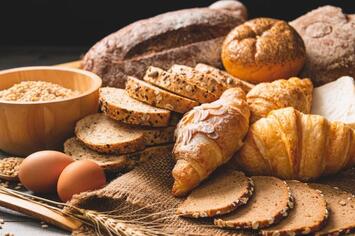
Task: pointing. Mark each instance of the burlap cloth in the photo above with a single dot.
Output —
(149, 185)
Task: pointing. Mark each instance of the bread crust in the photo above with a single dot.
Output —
(263, 50)
(161, 41)
(155, 96)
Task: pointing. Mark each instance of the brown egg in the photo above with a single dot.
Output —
(40, 171)
(80, 176)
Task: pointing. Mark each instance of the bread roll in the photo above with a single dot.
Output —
(263, 50)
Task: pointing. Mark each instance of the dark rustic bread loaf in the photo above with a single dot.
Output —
(270, 202)
(183, 37)
(222, 193)
(329, 37)
(309, 214)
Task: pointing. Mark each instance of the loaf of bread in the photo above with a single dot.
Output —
(207, 137)
(293, 145)
(329, 36)
(184, 37)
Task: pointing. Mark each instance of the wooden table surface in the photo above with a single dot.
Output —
(10, 57)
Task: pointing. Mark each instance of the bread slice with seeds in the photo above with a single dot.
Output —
(113, 162)
(309, 214)
(158, 97)
(156, 136)
(227, 80)
(220, 194)
(105, 135)
(178, 84)
(116, 104)
(270, 203)
(203, 80)
(341, 206)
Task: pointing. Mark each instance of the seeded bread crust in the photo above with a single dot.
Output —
(116, 104)
(113, 162)
(178, 84)
(341, 206)
(298, 222)
(155, 136)
(281, 206)
(227, 80)
(223, 183)
(155, 96)
(204, 80)
(104, 135)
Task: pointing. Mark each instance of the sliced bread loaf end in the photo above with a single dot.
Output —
(155, 96)
(116, 104)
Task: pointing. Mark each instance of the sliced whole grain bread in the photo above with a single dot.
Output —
(224, 78)
(309, 214)
(341, 206)
(203, 80)
(178, 84)
(155, 96)
(104, 135)
(116, 104)
(113, 162)
(156, 136)
(220, 194)
(271, 202)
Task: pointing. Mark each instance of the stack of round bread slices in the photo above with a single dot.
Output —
(270, 206)
(138, 122)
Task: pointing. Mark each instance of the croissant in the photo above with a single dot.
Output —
(207, 137)
(293, 145)
(266, 97)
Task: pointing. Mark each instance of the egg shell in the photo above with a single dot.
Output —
(78, 177)
(39, 172)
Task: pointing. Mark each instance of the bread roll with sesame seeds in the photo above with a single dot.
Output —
(263, 50)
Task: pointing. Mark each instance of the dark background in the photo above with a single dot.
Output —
(37, 31)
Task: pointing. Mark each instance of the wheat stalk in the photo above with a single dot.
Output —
(134, 223)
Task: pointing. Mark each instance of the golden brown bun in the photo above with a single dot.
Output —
(207, 137)
(263, 50)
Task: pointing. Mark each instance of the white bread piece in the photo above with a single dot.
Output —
(336, 101)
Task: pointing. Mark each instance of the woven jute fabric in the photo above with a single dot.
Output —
(149, 186)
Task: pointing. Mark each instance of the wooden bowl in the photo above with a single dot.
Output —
(26, 127)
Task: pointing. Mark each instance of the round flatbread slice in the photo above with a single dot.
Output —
(116, 104)
(341, 207)
(220, 194)
(105, 135)
(309, 214)
(271, 201)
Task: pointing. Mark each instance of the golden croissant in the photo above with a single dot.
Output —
(207, 137)
(266, 97)
(293, 145)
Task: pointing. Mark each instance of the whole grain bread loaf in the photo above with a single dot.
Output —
(329, 37)
(183, 37)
